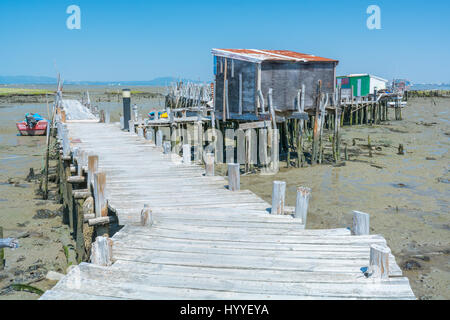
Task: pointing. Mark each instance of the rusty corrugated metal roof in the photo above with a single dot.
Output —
(254, 55)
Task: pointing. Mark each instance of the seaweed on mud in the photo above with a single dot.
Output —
(26, 287)
(47, 214)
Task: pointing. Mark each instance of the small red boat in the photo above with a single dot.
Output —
(39, 129)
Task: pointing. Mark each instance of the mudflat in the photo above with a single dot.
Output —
(45, 243)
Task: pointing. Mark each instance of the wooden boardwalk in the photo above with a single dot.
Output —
(207, 242)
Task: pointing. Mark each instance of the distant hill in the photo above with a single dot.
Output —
(26, 80)
(157, 82)
(431, 86)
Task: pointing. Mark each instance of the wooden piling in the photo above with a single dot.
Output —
(278, 197)
(101, 207)
(360, 223)
(79, 235)
(301, 205)
(146, 216)
(209, 164)
(92, 169)
(101, 253)
(379, 261)
(234, 181)
(2, 252)
(159, 138)
(186, 153)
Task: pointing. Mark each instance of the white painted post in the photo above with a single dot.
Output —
(379, 261)
(186, 153)
(360, 223)
(234, 178)
(209, 164)
(101, 252)
(146, 216)
(166, 147)
(301, 206)
(122, 123)
(159, 138)
(92, 168)
(278, 197)
(100, 204)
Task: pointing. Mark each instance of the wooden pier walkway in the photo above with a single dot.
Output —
(207, 242)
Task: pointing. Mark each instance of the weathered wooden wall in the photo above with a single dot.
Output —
(286, 78)
(248, 71)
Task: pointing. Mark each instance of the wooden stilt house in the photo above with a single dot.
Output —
(254, 84)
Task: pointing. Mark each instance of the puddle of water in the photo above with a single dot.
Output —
(19, 185)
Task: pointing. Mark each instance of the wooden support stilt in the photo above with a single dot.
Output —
(92, 169)
(301, 205)
(234, 180)
(101, 206)
(278, 197)
(287, 136)
(150, 134)
(360, 223)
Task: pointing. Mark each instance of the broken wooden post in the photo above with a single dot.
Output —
(186, 153)
(234, 179)
(400, 149)
(102, 116)
(92, 168)
(101, 252)
(166, 147)
(63, 116)
(101, 208)
(301, 205)
(360, 223)
(101, 221)
(379, 261)
(209, 164)
(278, 197)
(146, 216)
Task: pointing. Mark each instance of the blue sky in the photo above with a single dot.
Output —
(141, 40)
